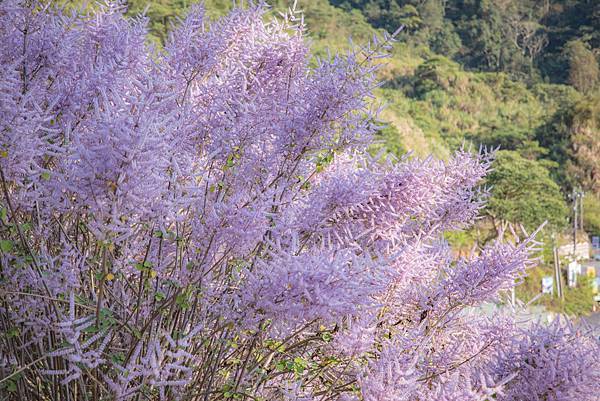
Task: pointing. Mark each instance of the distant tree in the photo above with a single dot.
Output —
(554, 136)
(585, 143)
(510, 138)
(524, 38)
(495, 33)
(161, 13)
(484, 38)
(408, 17)
(435, 73)
(423, 20)
(446, 41)
(591, 213)
(389, 14)
(527, 35)
(584, 72)
(432, 12)
(572, 137)
(523, 193)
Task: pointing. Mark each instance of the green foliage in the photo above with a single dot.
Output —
(389, 139)
(161, 13)
(164, 13)
(443, 105)
(524, 38)
(567, 21)
(6, 245)
(591, 213)
(585, 143)
(446, 41)
(461, 241)
(523, 192)
(330, 27)
(572, 136)
(583, 67)
(435, 73)
(387, 14)
(578, 301)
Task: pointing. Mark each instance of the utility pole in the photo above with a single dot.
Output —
(581, 194)
(577, 197)
(559, 280)
(557, 275)
(574, 196)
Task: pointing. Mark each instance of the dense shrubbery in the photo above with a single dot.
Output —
(205, 224)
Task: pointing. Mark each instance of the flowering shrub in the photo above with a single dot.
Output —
(203, 222)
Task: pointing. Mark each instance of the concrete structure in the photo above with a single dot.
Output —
(582, 250)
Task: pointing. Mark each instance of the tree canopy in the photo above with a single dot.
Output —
(523, 192)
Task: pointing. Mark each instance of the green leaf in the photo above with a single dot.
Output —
(323, 160)
(6, 245)
(182, 301)
(230, 161)
(118, 358)
(299, 365)
(145, 266)
(136, 333)
(90, 329)
(13, 332)
(11, 386)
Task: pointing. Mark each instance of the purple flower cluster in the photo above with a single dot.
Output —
(204, 222)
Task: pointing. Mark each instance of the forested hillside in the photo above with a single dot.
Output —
(554, 41)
